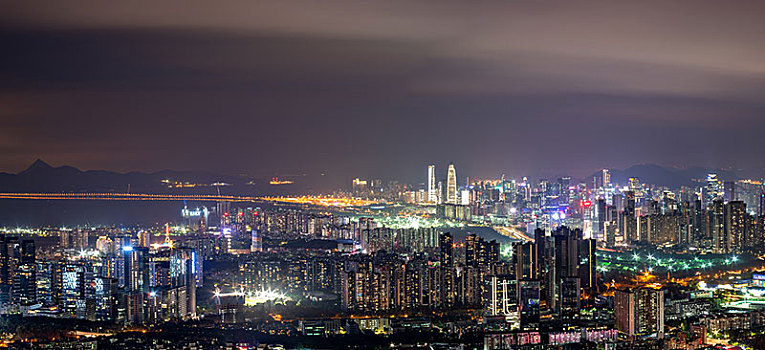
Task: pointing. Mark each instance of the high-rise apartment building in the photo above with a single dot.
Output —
(735, 226)
(640, 312)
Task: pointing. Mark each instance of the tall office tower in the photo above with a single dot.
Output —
(24, 279)
(566, 252)
(432, 185)
(600, 218)
(562, 255)
(606, 178)
(105, 298)
(9, 261)
(257, 242)
(526, 261)
(712, 190)
(588, 266)
(716, 215)
(73, 290)
(183, 274)
(48, 280)
(451, 185)
(570, 256)
(136, 269)
(528, 303)
(735, 226)
(650, 311)
(446, 247)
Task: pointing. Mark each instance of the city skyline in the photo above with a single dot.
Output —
(415, 178)
(443, 175)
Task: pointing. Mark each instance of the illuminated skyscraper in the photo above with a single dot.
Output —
(257, 242)
(105, 298)
(24, 281)
(136, 269)
(48, 280)
(712, 190)
(183, 275)
(451, 185)
(73, 290)
(735, 226)
(650, 311)
(606, 175)
(432, 185)
(9, 261)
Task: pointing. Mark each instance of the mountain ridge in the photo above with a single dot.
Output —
(664, 176)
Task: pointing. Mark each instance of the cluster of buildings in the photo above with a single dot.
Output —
(553, 279)
(544, 289)
(125, 280)
(714, 215)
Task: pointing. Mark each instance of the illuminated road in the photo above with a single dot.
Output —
(513, 232)
(307, 200)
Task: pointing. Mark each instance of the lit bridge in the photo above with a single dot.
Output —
(110, 196)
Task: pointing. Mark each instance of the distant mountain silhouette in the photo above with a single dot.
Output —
(659, 175)
(42, 177)
(38, 166)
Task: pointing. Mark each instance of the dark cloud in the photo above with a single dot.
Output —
(362, 89)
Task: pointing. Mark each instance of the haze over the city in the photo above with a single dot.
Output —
(377, 89)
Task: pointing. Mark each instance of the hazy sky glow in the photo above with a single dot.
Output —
(382, 88)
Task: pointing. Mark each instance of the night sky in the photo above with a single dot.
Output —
(382, 88)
